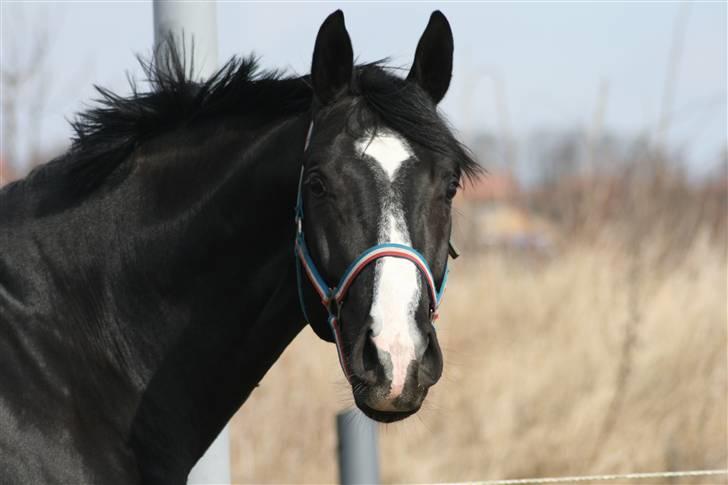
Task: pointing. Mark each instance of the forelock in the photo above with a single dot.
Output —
(384, 101)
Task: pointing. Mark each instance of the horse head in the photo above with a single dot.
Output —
(379, 173)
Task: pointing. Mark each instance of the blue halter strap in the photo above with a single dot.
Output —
(332, 297)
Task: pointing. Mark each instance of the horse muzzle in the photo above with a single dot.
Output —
(391, 374)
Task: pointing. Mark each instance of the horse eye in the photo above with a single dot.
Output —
(317, 187)
(452, 189)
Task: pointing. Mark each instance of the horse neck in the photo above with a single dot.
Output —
(229, 287)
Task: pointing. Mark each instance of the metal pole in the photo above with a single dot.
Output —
(358, 448)
(195, 24)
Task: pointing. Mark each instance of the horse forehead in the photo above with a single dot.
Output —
(387, 148)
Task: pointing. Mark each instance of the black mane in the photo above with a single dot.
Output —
(107, 133)
(175, 99)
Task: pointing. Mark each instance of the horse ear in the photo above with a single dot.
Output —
(432, 68)
(333, 59)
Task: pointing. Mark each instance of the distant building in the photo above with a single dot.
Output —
(12, 171)
(8, 172)
(493, 217)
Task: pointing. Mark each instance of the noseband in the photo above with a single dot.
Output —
(332, 297)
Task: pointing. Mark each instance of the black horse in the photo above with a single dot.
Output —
(148, 278)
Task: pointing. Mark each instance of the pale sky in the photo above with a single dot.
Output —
(551, 57)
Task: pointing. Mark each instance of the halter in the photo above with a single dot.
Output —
(332, 297)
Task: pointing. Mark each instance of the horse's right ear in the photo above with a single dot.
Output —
(333, 59)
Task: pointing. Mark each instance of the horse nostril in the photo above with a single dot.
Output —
(431, 368)
(370, 357)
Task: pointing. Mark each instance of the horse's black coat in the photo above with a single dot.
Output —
(147, 277)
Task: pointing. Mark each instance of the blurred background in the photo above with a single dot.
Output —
(584, 327)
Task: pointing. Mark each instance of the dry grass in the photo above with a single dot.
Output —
(533, 349)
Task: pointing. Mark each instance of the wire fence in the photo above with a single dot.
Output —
(597, 478)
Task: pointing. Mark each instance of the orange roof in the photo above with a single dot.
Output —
(8, 173)
(491, 186)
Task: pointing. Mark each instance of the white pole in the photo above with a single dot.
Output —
(214, 466)
(196, 23)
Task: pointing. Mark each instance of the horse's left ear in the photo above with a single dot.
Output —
(432, 68)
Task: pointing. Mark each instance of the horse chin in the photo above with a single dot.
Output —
(385, 416)
(368, 400)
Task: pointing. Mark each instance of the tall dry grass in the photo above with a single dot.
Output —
(537, 381)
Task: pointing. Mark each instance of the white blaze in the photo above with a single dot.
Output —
(396, 281)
